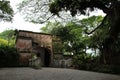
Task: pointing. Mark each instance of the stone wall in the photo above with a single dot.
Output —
(61, 61)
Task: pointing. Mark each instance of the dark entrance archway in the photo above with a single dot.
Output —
(47, 57)
(44, 54)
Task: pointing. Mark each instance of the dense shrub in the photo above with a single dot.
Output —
(8, 56)
(84, 61)
(89, 62)
(104, 68)
(3, 42)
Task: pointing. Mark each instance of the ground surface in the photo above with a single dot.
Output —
(52, 74)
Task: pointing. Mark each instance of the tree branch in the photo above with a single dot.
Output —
(95, 3)
(47, 19)
(97, 26)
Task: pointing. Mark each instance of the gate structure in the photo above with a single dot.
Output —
(30, 43)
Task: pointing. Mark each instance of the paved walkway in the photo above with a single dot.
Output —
(52, 74)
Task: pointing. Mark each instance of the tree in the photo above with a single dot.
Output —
(112, 18)
(70, 34)
(74, 40)
(67, 33)
(3, 42)
(37, 11)
(6, 12)
(8, 35)
(50, 26)
(73, 33)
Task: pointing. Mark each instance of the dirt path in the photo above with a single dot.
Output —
(52, 74)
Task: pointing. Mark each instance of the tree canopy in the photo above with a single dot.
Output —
(6, 12)
(72, 34)
(111, 20)
(9, 36)
(37, 11)
(80, 6)
(110, 7)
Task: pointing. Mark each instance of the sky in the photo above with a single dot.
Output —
(18, 21)
(20, 24)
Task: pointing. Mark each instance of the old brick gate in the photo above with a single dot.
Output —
(29, 43)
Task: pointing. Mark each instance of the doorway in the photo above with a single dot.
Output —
(47, 57)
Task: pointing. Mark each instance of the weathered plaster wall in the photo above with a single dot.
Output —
(43, 40)
(24, 45)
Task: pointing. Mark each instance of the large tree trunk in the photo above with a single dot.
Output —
(109, 42)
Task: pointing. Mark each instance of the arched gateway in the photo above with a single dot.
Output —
(44, 54)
